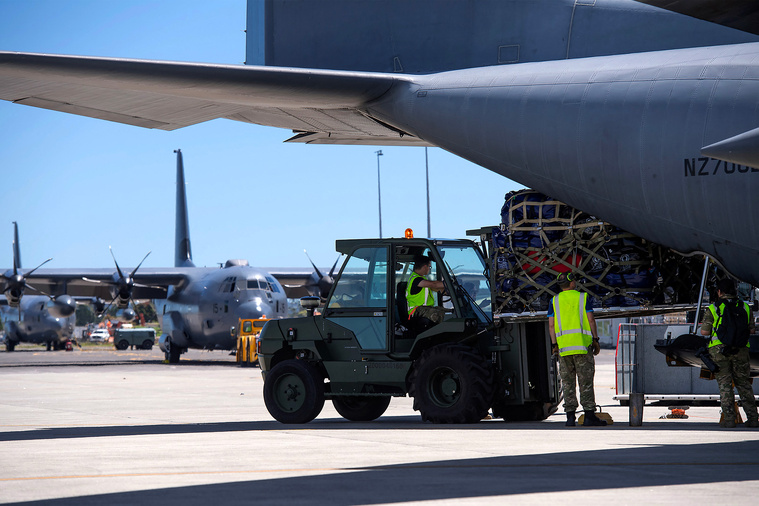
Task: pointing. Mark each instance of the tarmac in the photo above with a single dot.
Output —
(100, 426)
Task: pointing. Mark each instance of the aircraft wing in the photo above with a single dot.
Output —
(148, 283)
(320, 106)
(296, 282)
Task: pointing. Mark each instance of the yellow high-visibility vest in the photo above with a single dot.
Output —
(425, 296)
(571, 323)
(717, 322)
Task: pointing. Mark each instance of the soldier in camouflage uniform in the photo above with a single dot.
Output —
(734, 368)
(573, 336)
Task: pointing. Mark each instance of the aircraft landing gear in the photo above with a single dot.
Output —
(172, 356)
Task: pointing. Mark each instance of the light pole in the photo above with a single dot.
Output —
(427, 170)
(379, 193)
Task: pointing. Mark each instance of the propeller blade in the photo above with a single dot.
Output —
(118, 269)
(332, 270)
(312, 263)
(30, 287)
(105, 311)
(138, 265)
(40, 265)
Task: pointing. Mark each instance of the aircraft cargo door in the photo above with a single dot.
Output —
(359, 299)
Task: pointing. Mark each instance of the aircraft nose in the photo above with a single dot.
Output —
(253, 310)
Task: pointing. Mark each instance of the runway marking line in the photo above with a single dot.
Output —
(384, 468)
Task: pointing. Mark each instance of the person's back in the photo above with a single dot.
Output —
(732, 357)
(573, 333)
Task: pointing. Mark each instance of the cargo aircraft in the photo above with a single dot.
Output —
(643, 113)
(198, 306)
(36, 319)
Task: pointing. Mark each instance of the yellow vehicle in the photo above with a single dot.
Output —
(247, 332)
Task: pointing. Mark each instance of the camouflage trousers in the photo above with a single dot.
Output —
(433, 313)
(582, 367)
(735, 369)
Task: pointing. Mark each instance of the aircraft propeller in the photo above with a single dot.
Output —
(122, 289)
(61, 306)
(322, 284)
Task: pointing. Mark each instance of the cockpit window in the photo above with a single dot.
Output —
(272, 284)
(259, 284)
(228, 285)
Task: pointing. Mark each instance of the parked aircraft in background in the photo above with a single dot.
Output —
(36, 319)
(198, 306)
(645, 117)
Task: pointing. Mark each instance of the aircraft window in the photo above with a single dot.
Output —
(363, 282)
(228, 285)
(272, 284)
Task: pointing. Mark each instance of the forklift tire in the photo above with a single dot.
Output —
(452, 384)
(294, 392)
(359, 408)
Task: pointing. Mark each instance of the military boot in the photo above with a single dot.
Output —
(728, 420)
(592, 420)
(570, 419)
(754, 423)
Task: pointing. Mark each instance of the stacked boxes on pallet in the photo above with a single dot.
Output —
(540, 237)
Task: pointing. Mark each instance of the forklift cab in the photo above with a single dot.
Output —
(369, 294)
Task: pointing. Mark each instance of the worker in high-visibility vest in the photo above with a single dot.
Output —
(734, 364)
(573, 336)
(420, 292)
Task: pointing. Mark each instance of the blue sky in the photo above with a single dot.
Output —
(76, 185)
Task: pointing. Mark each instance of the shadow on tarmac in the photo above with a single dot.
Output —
(702, 464)
(383, 423)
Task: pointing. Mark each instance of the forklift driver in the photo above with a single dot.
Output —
(419, 296)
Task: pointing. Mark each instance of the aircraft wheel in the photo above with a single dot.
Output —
(174, 353)
(358, 408)
(10, 345)
(147, 345)
(294, 392)
(452, 384)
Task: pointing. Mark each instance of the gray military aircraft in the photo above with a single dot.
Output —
(36, 319)
(645, 114)
(197, 305)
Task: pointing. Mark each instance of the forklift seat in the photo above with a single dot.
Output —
(415, 324)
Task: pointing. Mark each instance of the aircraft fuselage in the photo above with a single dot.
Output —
(619, 137)
(36, 325)
(202, 313)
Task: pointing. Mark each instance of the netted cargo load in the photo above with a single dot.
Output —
(541, 237)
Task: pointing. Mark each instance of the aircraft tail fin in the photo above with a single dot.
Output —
(182, 249)
(16, 248)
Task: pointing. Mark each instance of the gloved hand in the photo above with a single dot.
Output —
(555, 349)
(596, 347)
